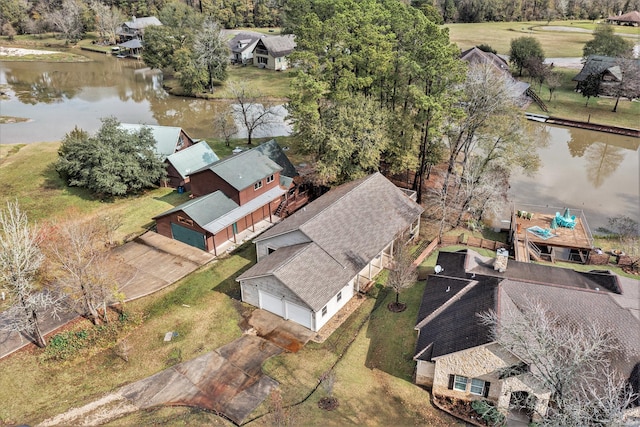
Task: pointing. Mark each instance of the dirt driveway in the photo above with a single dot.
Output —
(228, 380)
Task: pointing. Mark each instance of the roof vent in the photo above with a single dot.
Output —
(438, 269)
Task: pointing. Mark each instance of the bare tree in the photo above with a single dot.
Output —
(211, 51)
(224, 125)
(108, 19)
(281, 415)
(251, 110)
(78, 263)
(402, 274)
(20, 262)
(553, 80)
(569, 358)
(68, 19)
(629, 84)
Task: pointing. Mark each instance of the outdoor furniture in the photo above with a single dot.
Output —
(566, 222)
(543, 233)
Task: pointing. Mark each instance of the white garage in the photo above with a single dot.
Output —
(298, 314)
(271, 303)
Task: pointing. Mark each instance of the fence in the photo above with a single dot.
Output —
(461, 239)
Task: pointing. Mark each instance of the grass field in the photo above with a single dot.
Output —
(555, 43)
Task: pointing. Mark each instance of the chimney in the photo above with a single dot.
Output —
(502, 257)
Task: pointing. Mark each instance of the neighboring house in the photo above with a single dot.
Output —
(242, 46)
(610, 72)
(478, 56)
(134, 29)
(631, 18)
(271, 52)
(232, 195)
(169, 139)
(454, 352)
(312, 263)
(182, 163)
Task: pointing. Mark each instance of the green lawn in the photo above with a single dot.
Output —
(555, 43)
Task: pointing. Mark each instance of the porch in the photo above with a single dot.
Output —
(246, 235)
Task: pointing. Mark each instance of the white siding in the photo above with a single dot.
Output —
(333, 306)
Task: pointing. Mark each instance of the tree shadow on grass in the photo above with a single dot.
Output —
(53, 181)
(173, 198)
(229, 286)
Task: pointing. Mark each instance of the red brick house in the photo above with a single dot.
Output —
(182, 163)
(231, 196)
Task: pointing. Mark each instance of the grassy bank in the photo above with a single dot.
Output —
(569, 104)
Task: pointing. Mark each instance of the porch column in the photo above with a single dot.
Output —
(253, 224)
(270, 218)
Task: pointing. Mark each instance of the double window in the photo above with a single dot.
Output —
(269, 179)
(475, 386)
(257, 185)
(324, 311)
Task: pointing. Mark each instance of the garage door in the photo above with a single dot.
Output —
(271, 303)
(298, 314)
(188, 236)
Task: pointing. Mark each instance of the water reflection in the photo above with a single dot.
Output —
(594, 171)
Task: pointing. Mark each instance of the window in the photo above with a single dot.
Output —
(184, 220)
(270, 251)
(339, 296)
(257, 185)
(269, 179)
(324, 311)
(460, 383)
(263, 60)
(477, 386)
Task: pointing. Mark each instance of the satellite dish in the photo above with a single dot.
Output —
(438, 269)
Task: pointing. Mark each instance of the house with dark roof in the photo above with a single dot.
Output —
(134, 29)
(611, 71)
(630, 18)
(313, 262)
(182, 163)
(455, 354)
(231, 195)
(241, 47)
(477, 56)
(169, 139)
(271, 52)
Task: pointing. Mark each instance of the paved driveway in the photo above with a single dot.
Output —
(228, 380)
(141, 267)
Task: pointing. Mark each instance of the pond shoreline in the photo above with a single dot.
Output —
(634, 133)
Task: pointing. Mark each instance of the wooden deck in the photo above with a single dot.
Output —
(577, 237)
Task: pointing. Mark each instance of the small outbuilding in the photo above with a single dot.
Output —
(630, 18)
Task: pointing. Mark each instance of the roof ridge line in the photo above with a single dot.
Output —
(337, 200)
(454, 298)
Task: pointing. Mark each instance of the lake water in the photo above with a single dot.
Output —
(593, 171)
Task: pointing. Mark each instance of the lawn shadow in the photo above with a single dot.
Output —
(174, 198)
(53, 181)
(229, 286)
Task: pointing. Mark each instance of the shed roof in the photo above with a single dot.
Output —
(476, 55)
(204, 209)
(192, 158)
(167, 137)
(131, 44)
(278, 46)
(598, 64)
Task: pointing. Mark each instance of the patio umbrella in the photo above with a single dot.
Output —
(554, 223)
(567, 214)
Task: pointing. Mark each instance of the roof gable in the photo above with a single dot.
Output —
(278, 46)
(192, 158)
(167, 137)
(598, 64)
(244, 169)
(243, 41)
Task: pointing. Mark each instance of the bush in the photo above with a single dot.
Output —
(488, 413)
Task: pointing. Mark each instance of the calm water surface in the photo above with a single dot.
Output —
(593, 171)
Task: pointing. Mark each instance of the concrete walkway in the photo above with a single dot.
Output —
(141, 267)
(228, 380)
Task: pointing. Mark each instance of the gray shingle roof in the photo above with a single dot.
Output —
(598, 64)
(348, 227)
(139, 23)
(192, 158)
(278, 46)
(243, 41)
(204, 209)
(273, 150)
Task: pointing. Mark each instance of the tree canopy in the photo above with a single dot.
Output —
(113, 162)
(523, 49)
(606, 42)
